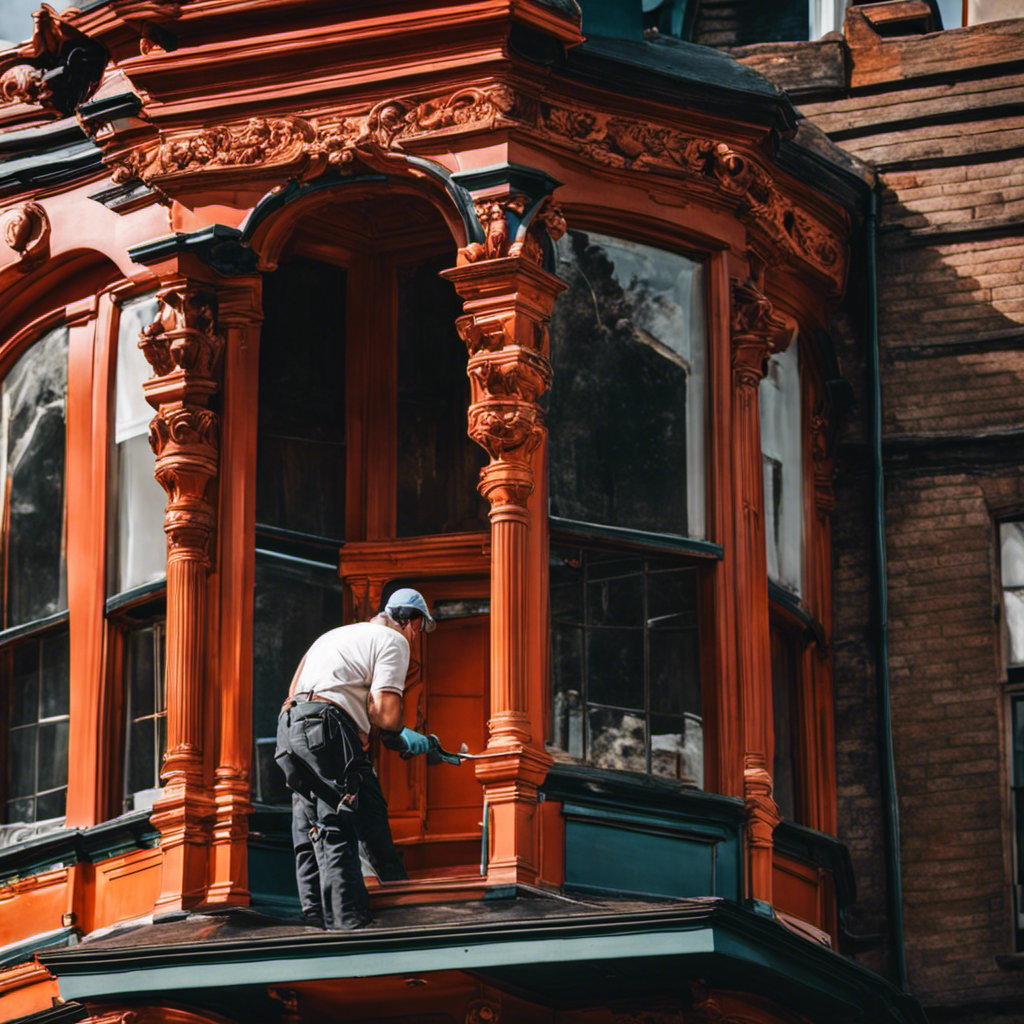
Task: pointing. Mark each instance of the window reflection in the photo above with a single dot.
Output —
(625, 677)
(145, 712)
(782, 462)
(626, 406)
(38, 716)
(33, 403)
(139, 554)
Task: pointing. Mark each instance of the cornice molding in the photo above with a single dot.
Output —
(296, 147)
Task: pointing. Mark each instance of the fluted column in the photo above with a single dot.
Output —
(184, 349)
(508, 301)
(757, 332)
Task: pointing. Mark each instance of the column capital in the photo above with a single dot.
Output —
(757, 333)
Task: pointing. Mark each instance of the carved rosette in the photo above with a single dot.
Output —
(757, 333)
(762, 811)
(26, 230)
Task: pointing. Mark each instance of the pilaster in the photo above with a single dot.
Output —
(508, 301)
(757, 332)
(184, 348)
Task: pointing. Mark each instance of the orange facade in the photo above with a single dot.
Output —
(234, 139)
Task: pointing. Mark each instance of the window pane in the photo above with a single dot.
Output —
(270, 784)
(783, 685)
(51, 805)
(1011, 554)
(617, 599)
(671, 599)
(55, 689)
(53, 755)
(141, 542)
(32, 446)
(675, 681)
(567, 688)
(141, 773)
(25, 684)
(615, 663)
(438, 464)
(140, 673)
(626, 406)
(21, 810)
(1013, 609)
(780, 397)
(21, 772)
(677, 748)
(566, 579)
(293, 606)
(300, 449)
(617, 740)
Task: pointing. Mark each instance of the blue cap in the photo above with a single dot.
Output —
(402, 603)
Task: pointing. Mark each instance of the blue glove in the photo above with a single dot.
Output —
(415, 742)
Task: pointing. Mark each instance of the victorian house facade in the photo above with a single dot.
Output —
(524, 307)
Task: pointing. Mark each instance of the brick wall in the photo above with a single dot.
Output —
(940, 118)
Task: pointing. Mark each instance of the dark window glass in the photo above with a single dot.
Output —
(294, 604)
(300, 448)
(626, 407)
(438, 464)
(145, 712)
(33, 401)
(784, 775)
(37, 737)
(625, 681)
(1017, 791)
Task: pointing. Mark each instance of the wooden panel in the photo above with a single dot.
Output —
(125, 887)
(34, 905)
(796, 890)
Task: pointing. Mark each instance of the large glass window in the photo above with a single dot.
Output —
(438, 464)
(1017, 805)
(785, 710)
(145, 648)
(34, 636)
(138, 548)
(782, 462)
(625, 679)
(626, 410)
(1011, 562)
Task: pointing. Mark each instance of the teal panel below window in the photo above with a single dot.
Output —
(272, 886)
(605, 857)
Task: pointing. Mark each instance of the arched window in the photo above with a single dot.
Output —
(33, 603)
(626, 422)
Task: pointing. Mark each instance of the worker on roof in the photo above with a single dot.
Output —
(351, 679)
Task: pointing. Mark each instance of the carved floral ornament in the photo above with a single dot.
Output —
(26, 230)
(304, 148)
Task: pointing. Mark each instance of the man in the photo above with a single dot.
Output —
(351, 679)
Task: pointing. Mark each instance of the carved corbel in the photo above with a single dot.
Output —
(515, 225)
(26, 230)
(59, 68)
(757, 333)
(762, 814)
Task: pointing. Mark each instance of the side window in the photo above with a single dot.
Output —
(626, 421)
(782, 462)
(785, 713)
(300, 488)
(137, 564)
(34, 636)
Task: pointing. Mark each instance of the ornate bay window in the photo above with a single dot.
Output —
(626, 422)
(34, 640)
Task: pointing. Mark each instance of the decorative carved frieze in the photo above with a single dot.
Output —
(757, 333)
(59, 68)
(304, 148)
(737, 178)
(26, 230)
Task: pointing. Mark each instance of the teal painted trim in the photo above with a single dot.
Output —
(639, 538)
(135, 595)
(70, 846)
(880, 619)
(19, 952)
(457, 956)
(36, 626)
(627, 818)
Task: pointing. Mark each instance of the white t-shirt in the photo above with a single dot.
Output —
(349, 663)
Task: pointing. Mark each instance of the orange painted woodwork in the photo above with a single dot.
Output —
(26, 988)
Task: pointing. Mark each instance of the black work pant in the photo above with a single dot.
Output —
(326, 759)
